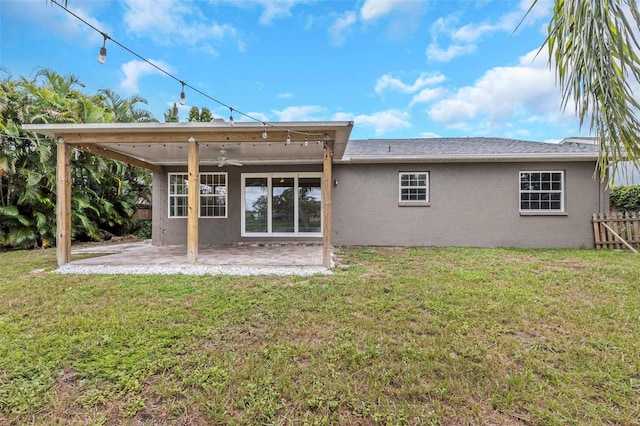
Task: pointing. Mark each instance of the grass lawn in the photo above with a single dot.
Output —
(395, 336)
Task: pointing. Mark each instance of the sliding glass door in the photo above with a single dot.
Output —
(282, 204)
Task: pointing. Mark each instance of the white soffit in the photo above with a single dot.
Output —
(166, 143)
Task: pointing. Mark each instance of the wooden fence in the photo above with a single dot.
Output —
(626, 226)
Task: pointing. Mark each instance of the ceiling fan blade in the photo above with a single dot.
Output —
(234, 162)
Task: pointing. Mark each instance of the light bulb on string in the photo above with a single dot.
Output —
(306, 141)
(183, 99)
(231, 116)
(264, 133)
(102, 57)
(288, 138)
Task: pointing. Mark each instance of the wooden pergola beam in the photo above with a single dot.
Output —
(192, 201)
(63, 203)
(107, 153)
(203, 136)
(326, 201)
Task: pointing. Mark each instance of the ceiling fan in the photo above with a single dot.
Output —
(223, 160)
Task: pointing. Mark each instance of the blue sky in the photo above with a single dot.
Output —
(398, 68)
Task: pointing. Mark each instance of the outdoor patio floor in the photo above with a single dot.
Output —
(244, 259)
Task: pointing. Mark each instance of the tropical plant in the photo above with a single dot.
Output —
(594, 48)
(104, 192)
(171, 116)
(197, 114)
(125, 110)
(625, 198)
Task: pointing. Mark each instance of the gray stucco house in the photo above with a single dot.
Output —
(307, 181)
(481, 192)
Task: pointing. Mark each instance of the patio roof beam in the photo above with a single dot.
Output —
(103, 152)
(203, 136)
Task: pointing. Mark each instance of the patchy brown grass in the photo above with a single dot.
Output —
(396, 336)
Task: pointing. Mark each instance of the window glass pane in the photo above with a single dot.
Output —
(255, 205)
(177, 206)
(541, 190)
(413, 187)
(282, 205)
(309, 205)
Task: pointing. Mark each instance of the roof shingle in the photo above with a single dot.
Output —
(443, 148)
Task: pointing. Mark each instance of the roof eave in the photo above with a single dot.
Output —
(467, 158)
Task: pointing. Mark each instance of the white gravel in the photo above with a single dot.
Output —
(193, 270)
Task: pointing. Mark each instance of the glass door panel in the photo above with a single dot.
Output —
(309, 205)
(282, 205)
(256, 206)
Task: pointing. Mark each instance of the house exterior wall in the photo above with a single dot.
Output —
(471, 204)
(172, 231)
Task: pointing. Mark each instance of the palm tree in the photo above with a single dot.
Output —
(594, 47)
(125, 110)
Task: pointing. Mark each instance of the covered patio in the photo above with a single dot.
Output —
(142, 257)
(155, 146)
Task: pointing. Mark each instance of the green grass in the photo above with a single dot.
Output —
(395, 336)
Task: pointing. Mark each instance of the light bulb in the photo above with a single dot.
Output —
(264, 133)
(306, 141)
(288, 139)
(182, 98)
(102, 57)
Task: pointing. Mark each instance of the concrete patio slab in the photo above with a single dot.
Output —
(244, 259)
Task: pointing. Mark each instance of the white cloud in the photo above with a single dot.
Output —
(437, 54)
(174, 22)
(273, 9)
(134, 70)
(523, 92)
(427, 95)
(51, 17)
(374, 9)
(405, 15)
(299, 113)
(340, 26)
(463, 39)
(388, 82)
(382, 122)
(259, 116)
(286, 95)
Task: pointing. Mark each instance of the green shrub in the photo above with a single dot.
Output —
(625, 198)
(142, 229)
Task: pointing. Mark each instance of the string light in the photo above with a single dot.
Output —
(102, 58)
(231, 116)
(306, 141)
(288, 138)
(182, 96)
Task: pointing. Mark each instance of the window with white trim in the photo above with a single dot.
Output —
(414, 187)
(281, 204)
(542, 191)
(213, 194)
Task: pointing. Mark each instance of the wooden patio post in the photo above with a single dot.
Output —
(326, 203)
(193, 197)
(63, 203)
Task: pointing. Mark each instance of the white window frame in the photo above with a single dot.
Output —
(425, 187)
(269, 177)
(561, 191)
(201, 195)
